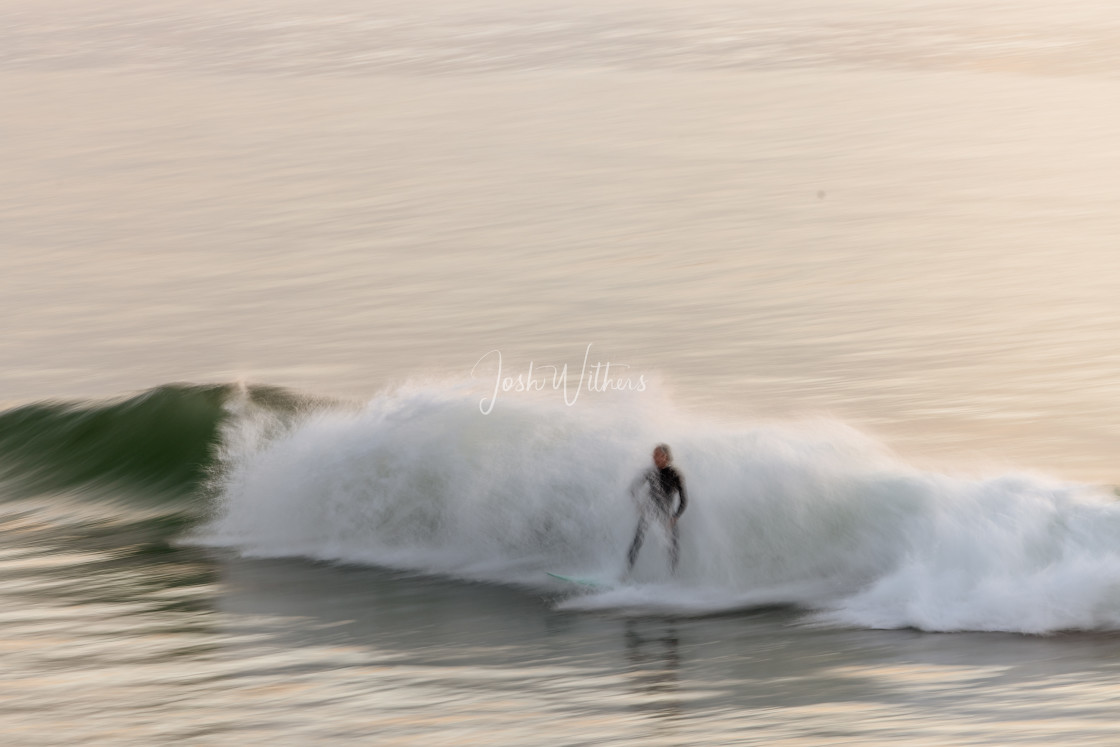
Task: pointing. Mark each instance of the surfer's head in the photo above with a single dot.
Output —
(662, 455)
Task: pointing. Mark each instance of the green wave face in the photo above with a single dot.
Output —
(162, 440)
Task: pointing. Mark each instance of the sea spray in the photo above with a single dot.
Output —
(813, 514)
(421, 479)
(1014, 553)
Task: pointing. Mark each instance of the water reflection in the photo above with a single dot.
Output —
(653, 654)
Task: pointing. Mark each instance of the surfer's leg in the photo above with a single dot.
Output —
(636, 545)
(674, 546)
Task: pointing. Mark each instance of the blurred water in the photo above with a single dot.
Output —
(918, 243)
(901, 216)
(212, 650)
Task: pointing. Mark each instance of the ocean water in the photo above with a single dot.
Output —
(331, 328)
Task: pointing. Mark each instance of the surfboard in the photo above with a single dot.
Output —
(589, 582)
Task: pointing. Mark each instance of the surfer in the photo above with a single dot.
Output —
(663, 481)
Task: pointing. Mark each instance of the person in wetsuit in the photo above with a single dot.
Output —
(663, 482)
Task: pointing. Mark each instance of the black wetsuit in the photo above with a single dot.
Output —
(663, 483)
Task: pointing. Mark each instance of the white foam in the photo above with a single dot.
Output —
(812, 514)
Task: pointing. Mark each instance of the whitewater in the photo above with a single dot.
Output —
(811, 514)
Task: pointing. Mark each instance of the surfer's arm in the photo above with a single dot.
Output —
(683, 497)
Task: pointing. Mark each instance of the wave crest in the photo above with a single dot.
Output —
(813, 514)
